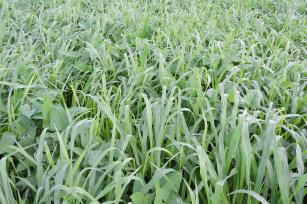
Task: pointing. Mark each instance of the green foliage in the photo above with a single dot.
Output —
(6, 140)
(160, 101)
(139, 198)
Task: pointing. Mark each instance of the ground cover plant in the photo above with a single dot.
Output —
(153, 101)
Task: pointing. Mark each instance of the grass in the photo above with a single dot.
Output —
(153, 101)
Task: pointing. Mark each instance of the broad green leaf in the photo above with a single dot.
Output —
(139, 198)
(6, 139)
(84, 133)
(28, 130)
(169, 186)
(58, 117)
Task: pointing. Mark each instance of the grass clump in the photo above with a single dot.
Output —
(153, 101)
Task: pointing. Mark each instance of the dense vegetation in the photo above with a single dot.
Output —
(157, 101)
